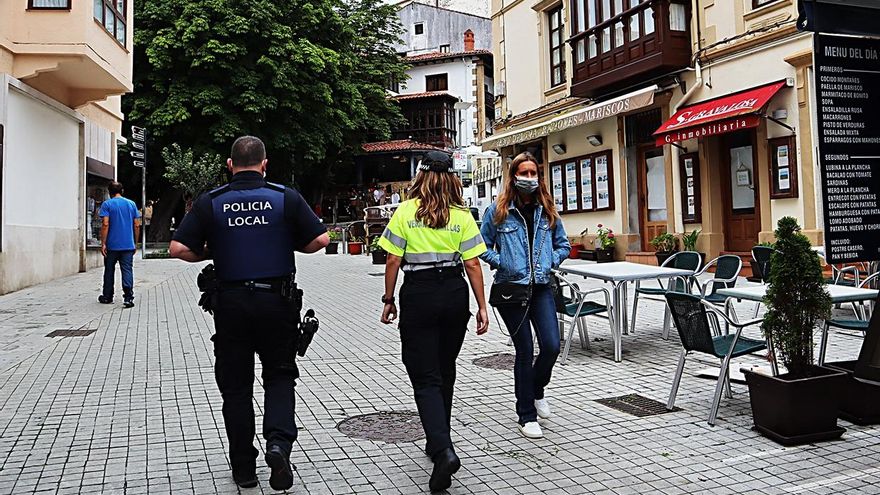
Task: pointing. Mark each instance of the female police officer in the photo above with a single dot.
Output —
(431, 234)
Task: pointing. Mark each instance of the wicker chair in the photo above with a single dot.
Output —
(695, 328)
(685, 260)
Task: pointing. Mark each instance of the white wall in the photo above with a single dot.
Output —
(42, 161)
(460, 77)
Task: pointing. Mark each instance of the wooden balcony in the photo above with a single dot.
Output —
(648, 40)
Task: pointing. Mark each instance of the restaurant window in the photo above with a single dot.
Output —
(111, 15)
(49, 4)
(584, 183)
(557, 56)
(436, 82)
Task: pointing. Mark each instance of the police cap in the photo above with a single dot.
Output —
(436, 161)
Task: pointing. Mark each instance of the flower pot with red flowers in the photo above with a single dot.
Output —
(605, 241)
(335, 235)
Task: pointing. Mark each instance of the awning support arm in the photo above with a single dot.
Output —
(783, 124)
(682, 148)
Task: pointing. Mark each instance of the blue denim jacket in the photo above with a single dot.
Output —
(509, 246)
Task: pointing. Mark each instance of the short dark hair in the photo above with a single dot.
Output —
(115, 188)
(248, 151)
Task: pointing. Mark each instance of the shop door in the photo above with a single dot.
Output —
(740, 186)
(652, 194)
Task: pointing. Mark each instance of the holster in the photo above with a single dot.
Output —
(292, 293)
(209, 286)
(308, 327)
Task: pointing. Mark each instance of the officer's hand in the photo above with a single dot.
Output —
(103, 250)
(482, 321)
(389, 313)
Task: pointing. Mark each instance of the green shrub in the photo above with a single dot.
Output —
(796, 298)
(665, 243)
(689, 239)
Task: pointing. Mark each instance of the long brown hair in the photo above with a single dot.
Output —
(437, 192)
(510, 193)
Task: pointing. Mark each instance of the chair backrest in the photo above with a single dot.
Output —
(684, 260)
(691, 321)
(727, 267)
(761, 266)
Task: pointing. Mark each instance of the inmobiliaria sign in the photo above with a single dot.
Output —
(719, 116)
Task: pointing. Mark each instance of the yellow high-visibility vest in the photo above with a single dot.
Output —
(422, 247)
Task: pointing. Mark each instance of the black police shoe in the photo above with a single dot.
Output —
(105, 300)
(128, 304)
(446, 463)
(245, 478)
(282, 473)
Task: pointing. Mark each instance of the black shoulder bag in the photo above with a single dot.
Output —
(511, 294)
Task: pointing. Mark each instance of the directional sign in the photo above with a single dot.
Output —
(138, 137)
(137, 130)
(137, 154)
(138, 164)
(137, 145)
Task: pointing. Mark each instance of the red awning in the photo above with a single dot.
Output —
(718, 116)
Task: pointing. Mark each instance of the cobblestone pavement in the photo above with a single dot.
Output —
(133, 407)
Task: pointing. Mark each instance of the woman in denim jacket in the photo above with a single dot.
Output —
(526, 240)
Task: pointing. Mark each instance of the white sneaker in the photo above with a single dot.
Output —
(531, 430)
(543, 408)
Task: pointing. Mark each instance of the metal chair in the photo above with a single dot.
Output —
(685, 260)
(727, 269)
(578, 309)
(863, 318)
(698, 330)
(761, 267)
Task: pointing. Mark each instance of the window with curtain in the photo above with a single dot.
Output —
(111, 15)
(557, 45)
(49, 4)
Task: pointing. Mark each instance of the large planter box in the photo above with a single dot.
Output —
(797, 411)
(663, 256)
(860, 403)
(588, 254)
(605, 255)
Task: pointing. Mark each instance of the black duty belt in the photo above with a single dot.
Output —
(435, 273)
(267, 285)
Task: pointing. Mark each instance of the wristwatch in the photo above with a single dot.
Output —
(387, 300)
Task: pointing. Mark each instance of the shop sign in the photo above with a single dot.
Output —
(847, 72)
(486, 169)
(718, 116)
(592, 113)
(459, 160)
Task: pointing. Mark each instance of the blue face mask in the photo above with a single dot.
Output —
(526, 185)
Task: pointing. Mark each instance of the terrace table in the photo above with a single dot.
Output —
(839, 293)
(619, 274)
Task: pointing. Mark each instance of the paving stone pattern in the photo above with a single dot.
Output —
(133, 407)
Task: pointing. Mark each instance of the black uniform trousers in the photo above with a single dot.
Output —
(248, 322)
(433, 321)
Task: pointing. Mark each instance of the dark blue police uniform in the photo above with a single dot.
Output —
(252, 229)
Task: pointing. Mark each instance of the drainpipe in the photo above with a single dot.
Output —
(690, 92)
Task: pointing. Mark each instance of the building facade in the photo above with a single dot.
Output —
(63, 66)
(653, 116)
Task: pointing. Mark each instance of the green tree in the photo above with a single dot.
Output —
(190, 175)
(308, 77)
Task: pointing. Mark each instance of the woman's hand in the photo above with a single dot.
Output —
(482, 321)
(389, 313)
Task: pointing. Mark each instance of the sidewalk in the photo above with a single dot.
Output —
(133, 407)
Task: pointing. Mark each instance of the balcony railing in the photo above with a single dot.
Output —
(436, 136)
(647, 40)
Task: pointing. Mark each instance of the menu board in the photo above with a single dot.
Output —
(587, 184)
(571, 186)
(847, 74)
(556, 176)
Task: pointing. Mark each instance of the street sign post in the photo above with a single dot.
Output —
(139, 142)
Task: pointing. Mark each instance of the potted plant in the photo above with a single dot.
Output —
(605, 244)
(689, 240)
(665, 244)
(799, 406)
(335, 235)
(379, 255)
(356, 245)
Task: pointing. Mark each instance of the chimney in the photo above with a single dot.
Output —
(468, 41)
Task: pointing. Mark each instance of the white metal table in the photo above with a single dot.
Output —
(839, 293)
(619, 274)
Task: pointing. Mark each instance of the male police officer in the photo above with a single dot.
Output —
(252, 228)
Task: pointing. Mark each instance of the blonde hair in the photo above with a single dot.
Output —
(437, 192)
(509, 193)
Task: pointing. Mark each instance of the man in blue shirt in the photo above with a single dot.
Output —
(120, 228)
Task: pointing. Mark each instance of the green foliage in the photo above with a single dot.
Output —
(796, 298)
(306, 76)
(689, 239)
(606, 237)
(767, 244)
(665, 242)
(374, 243)
(335, 234)
(191, 175)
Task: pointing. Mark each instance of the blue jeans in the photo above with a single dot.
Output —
(124, 258)
(531, 375)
